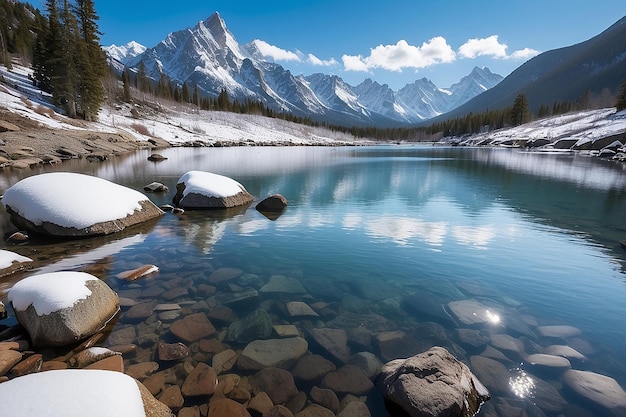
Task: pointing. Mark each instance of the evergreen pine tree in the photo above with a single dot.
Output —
(520, 112)
(185, 93)
(91, 60)
(126, 86)
(621, 98)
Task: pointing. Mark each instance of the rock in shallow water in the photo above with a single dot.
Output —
(279, 353)
(205, 190)
(432, 383)
(75, 205)
(60, 308)
(599, 389)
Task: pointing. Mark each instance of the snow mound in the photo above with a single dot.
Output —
(71, 200)
(72, 393)
(7, 258)
(209, 184)
(51, 292)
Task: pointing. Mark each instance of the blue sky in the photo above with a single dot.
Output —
(393, 42)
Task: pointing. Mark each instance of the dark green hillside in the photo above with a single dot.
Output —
(560, 75)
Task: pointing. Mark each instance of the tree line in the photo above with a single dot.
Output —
(68, 61)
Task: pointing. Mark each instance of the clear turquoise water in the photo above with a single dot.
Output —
(535, 236)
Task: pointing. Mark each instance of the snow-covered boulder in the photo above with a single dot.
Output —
(205, 190)
(433, 383)
(75, 205)
(60, 308)
(78, 393)
(11, 262)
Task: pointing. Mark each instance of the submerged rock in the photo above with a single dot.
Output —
(599, 389)
(279, 353)
(432, 383)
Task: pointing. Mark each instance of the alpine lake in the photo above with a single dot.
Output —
(494, 254)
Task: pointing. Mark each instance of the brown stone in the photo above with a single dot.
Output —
(201, 381)
(136, 273)
(8, 359)
(326, 398)
(172, 398)
(225, 407)
(348, 379)
(172, 351)
(297, 402)
(112, 363)
(272, 203)
(334, 342)
(224, 361)
(53, 365)
(277, 383)
(142, 370)
(260, 403)
(278, 411)
(193, 327)
(355, 409)
(311, 368)
(315, 410)
(139, 312)
(155, 383)
(175, 293)
(224, 274)
(189, 412)
(27, 366)
(152, 406)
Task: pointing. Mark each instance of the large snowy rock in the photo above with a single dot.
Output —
(433, 383)
(205, 190)
(75, 205)
(60, 308)
(78, 393)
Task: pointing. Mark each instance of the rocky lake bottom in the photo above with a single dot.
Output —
(377, 257)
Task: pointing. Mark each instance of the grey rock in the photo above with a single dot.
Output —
(599, 389)
(432, 383)
(333, 341)
(272, 203)
(71, 324)
(205, 198)
(348, 379)
(146, 211)
(279, 353)
(277, 383)
(282, 284)
(256, 325)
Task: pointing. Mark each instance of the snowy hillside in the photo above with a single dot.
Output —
(178, 125)
(175, 125)
(599, 132)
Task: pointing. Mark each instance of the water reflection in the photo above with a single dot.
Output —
(454, 247)
(522, 384)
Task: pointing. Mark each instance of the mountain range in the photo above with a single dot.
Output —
(208, 56)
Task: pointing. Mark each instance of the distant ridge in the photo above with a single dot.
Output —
(563, 74)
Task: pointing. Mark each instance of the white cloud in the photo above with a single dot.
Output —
(276, 53)
(354, 63)
(492, 47)
(524, 54)
(312, 59)
(486, 46)
(402, 55)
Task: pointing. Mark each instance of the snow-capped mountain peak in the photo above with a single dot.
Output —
(126, 52)
(209, 57)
